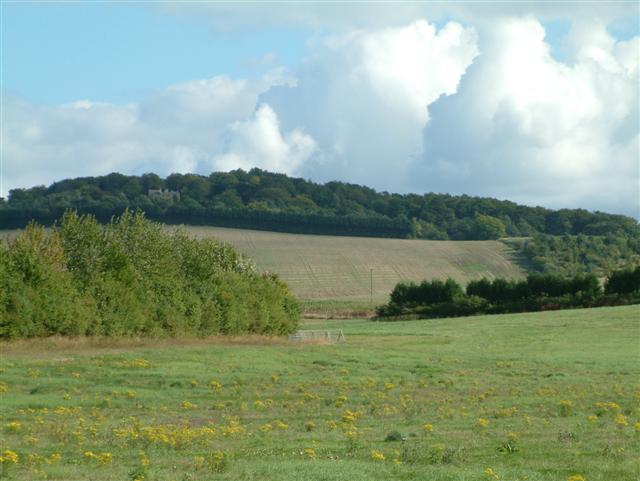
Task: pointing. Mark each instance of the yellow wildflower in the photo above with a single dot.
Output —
(198, 461)
(9, 457)
(483, 423)
(13, 427)
(621, 420)
(103, 458)
(427, 427)
(377, 455)
(215, 385)
(265, 428)
(332, 424)
(566, 406)
(491, 474)
(351, 433)
(350, 416)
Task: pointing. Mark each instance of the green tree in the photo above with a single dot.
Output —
(488, 227)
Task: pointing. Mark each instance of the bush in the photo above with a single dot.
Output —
(427, 292)
(131, 277)
(625, 281)
(538, 292)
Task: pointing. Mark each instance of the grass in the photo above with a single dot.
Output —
(336, 268)
(537, 397)
(337, 308)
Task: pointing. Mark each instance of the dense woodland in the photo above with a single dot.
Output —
(538, 292)
(262, 200)
(131, 277)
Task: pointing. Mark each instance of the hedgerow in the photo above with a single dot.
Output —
(538, 292)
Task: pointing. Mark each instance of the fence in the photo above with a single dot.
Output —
(330, 337)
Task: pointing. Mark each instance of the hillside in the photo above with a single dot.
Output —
(338, 267)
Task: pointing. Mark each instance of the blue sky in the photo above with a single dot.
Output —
(535, 102)
(62, 52)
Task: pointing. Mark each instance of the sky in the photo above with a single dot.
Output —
(534, 102)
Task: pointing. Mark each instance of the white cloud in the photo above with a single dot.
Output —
(526, 127)
(178, 129)
(483, 110)
(364, 95)
(257, 142)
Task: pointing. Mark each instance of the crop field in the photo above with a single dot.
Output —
(539, 397)
(341, 268)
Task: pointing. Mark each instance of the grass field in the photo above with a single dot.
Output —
(536, 397)
(340, 268)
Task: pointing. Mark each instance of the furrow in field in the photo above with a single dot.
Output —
(331, 267)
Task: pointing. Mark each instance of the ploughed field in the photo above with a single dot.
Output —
(550, 396)
(339, 268)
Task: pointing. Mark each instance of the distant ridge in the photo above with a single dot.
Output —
(261, 200)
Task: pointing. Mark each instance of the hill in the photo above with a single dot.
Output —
(340, 268)
(262, 200)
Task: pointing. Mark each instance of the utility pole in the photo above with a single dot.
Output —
(371, 289)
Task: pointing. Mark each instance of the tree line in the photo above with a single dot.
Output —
(437, 298)
(133, 277)
(262, 200)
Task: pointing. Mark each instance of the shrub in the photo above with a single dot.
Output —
(133, 277)
(625, 281)
(538, 292)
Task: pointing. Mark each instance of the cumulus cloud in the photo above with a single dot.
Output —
(482, 108)
(364, 95)
(526, 127)
(355, 111)
(179, 129)
(258, 142)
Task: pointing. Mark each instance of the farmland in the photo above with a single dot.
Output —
(333, 274)
(340, 268)
(538, 397)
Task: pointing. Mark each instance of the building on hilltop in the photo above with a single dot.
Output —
(166, 194)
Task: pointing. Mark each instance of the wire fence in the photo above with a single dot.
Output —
(330, 337)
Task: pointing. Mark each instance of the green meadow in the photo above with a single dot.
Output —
(548, 396)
